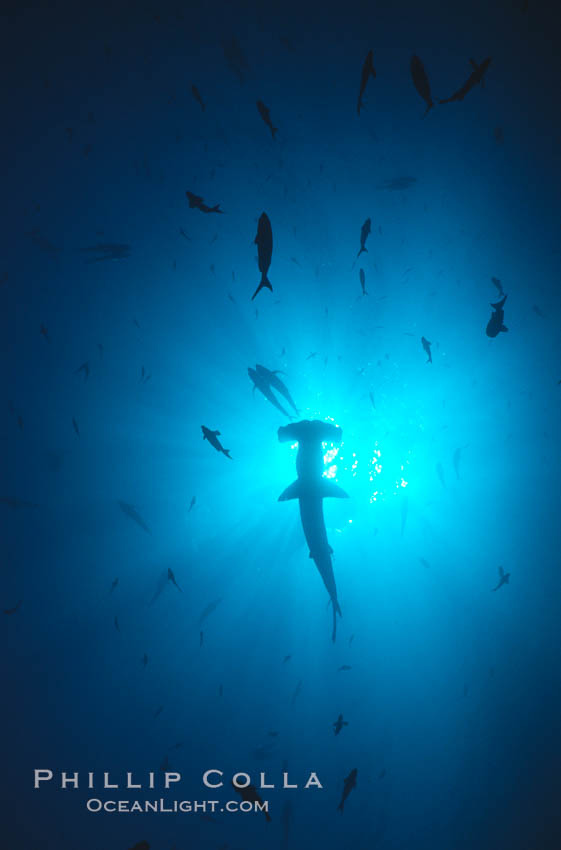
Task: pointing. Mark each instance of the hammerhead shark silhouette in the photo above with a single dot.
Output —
(310, 488)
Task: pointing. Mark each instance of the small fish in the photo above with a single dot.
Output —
(201, 638)
(368, 71)
(192, 504)
(372, 401)
(426, 346)
(182, 233)
(351, 639)
(84, 369)
(424, 563)
(15, 504)
(210, 609)
(499, 285)
(362, 277)
(312, 355)
(197, 95)
(212, 437)
(537, 311)
(171, 578)
(503, 579)
(364, 234)
(196, 202)
(496, 325)
(344, 667)
(499, 135)
(286, 658)
(440, 473)
(349, 784)
(264, 242)
(144, 660)
(108, 251)
(474, 78)
(266, 116)
(158, 711)
(75, 424)
(296, 693)
(116, 624)
(421, 82)
(249, 794)
(339, 723)
(382, 773)
(100, 349)
(466, 690)
(44, 333)
(398, 183)
(13, 610)
(456, 460)
(114, 584)
(131, 512)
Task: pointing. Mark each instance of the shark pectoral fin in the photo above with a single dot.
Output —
(217, 433)
(330, 489)
(292, 492)
(504, 329)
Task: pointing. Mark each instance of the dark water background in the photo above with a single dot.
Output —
(453, 699)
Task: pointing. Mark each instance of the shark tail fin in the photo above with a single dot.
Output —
(504, 329)
(274, 131)
(265, 282)
(227, 453)
(427, 110)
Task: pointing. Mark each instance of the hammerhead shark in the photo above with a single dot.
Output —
(310, 488)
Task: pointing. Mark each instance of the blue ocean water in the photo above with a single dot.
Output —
(127, 324)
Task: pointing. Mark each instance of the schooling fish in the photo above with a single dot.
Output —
(131, 512)
(368, 71)
(474, 78)
(503, 579)
(192, 504)
(13, 610)
(421, 82)
(262, 384)
(210, 609)
(196, 202)
(362, 277)
(171, 578)
(197, 95)
(276, 383)
(426, 345)
(496, 325)
(339, 723)
(456, 459)
(83, 369)
(266, 116)
(350, 783)
(499, 285)
(364, 234)
(249, 794)
(264, 242)
(310, 488)
(75, 426)
(114, 584)
(212, 437)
